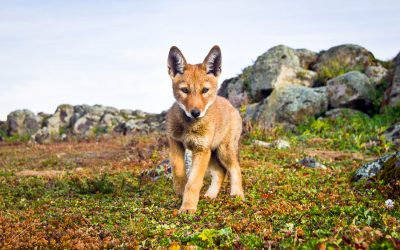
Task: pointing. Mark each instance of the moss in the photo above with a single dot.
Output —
(333, 69)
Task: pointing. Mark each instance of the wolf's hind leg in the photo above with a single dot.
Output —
(217, 172)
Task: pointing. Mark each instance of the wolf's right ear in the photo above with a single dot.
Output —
(176, 62)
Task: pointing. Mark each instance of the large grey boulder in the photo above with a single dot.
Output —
(22, 122)
(392, 93)
(60, 119)
(291, 104)
(277, 67)
(350, 90)
(347, 56)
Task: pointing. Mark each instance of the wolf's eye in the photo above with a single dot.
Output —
(185, 90)
(204, 90)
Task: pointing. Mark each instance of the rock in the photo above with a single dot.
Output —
(128, 126)
(282, 144)
(306, 57)
(63, 137)
(252, 111)
(42, 118)
(42, 136)
(279, 144)
(3, 130)
(110, 121)
(390, 171)
(80, 110)
(372, 168)
(22, 122)
(347, 56)
(350, 90)
(127, 113)
(277, 67)
(132, 114)
(96, 110)
(311, 162)
(376, 74)
(60, 120)
(392, 134)
(140, 113)
(392, 93)
(234, 90)
(292, 104)
(86, 125)
(344, 113)
(144, 125)
(263, 144)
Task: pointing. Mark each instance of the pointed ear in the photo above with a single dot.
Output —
(213, 61)
(176, 62)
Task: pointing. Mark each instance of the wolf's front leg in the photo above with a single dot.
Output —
(177, 152)
(195, 182)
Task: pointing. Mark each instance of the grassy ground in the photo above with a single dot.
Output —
(91, 195)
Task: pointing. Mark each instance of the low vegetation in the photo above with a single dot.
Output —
(93, 194)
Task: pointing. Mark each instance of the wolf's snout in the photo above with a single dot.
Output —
(195, 113)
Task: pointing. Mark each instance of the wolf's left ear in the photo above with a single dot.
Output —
(213, 61)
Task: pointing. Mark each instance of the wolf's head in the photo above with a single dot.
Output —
(194, 86)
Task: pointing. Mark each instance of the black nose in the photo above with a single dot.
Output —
(195, 113)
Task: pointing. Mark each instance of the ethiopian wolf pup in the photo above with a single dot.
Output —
(204, 123)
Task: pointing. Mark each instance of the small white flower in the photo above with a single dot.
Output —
(389, 204)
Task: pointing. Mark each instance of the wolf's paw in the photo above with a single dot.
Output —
(184, 210)
(238, 194)
(179, 190)
(210, 195)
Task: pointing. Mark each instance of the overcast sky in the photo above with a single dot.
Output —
(115, 52)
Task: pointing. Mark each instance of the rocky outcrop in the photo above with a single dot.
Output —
(351, 90)
(353, 77)
(291, 105)
(80, 121)
(22, 123)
